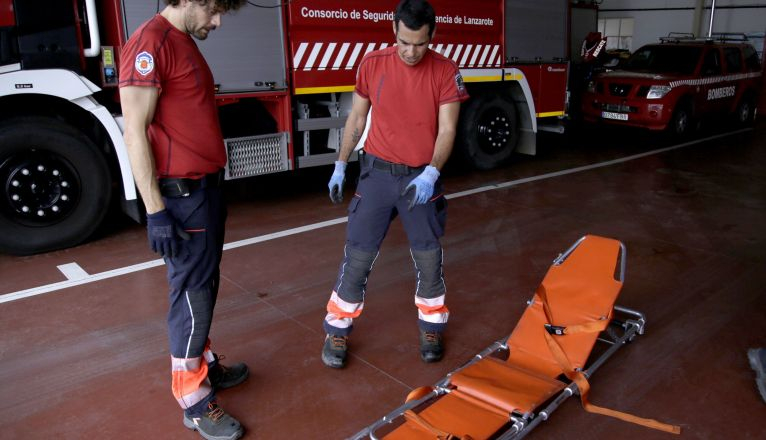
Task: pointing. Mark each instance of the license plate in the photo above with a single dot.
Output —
(616, 116)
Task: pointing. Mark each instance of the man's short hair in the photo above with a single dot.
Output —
(223, 5)
(414, 14)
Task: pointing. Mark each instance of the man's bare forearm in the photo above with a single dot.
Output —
(352, 133)
(443, 148)
(142, 165)
(445, 137)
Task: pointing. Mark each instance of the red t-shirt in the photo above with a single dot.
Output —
(185, 133)
(405, 103)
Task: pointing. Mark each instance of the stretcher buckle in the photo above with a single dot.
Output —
(555, 329)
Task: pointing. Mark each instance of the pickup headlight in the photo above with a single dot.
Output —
(657, 92)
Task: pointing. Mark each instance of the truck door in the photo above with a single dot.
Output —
(734, 67)
(712, 87)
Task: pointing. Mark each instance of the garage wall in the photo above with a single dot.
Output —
(655, 18)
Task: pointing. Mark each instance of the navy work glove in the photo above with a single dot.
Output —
(423, 186)
(336, 181)
(165, 234)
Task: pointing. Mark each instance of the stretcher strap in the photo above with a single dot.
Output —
(440, 435)
(591, 327)
(584, 387)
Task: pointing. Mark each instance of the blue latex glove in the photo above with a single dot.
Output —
(336, 181)
(165, 235)
(423, 186)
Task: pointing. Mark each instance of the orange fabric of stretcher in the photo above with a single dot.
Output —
(581, 290)
(505, 386)
(456, 414)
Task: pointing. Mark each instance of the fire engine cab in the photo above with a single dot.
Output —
(284, 74)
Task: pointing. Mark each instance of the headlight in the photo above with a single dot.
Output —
(591, 86)
(657, 92)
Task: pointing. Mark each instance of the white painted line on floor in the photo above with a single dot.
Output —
(260, 239)
(71, 283)
(73, 271)
(275, 235)
(159, 262)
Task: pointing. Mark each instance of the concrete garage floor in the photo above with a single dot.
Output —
(88, 359)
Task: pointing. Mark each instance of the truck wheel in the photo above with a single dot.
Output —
(489, 130)
(681, 123)
(56, 186)
(745, 112)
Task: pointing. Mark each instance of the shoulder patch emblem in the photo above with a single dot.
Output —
(144, 63)
(460, 84)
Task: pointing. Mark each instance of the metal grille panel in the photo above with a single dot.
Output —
(256, 155)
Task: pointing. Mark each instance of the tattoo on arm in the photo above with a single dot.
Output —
(355, 136)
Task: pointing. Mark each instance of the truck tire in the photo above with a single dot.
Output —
(745, 112)
(56, 186)
(489, 130)
(680, 126)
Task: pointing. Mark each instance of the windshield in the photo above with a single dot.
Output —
(664, 59)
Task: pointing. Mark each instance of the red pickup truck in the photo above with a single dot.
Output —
(675, 84)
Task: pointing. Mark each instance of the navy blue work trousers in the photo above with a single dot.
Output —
(378, 201)
(193, 279)
(380, 198)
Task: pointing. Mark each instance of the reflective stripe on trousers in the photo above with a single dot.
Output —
(190, 383)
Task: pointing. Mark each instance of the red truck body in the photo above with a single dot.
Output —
(284, 77)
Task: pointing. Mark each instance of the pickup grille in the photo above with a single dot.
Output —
(619, 108)
(617, 89)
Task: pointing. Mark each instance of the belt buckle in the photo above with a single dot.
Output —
(183, 188)
(174, 188)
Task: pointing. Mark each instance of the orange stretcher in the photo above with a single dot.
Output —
(512, 386)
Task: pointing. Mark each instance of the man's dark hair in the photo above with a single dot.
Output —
(224, 5)
(414, 14)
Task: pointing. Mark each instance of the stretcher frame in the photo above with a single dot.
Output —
(624, 326)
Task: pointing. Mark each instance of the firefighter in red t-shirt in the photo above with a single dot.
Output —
(414, 96)
(177, 155)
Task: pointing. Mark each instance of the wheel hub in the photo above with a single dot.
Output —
(494, 130)
(39, 188)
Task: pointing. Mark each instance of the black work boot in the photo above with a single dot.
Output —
(215, 424)
(431, 349)
(222, 377)
(334, 351)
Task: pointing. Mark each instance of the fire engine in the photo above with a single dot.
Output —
(284, 75)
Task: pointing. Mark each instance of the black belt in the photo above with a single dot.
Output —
(182, 187)
(396, 169)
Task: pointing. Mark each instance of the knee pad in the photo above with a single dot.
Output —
(356, 267)
(428, 266)
(201, 307)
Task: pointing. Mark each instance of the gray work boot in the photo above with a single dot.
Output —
(222, 377)
(431, 348)
(334, 351)
(215, 424)
(757, 358)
